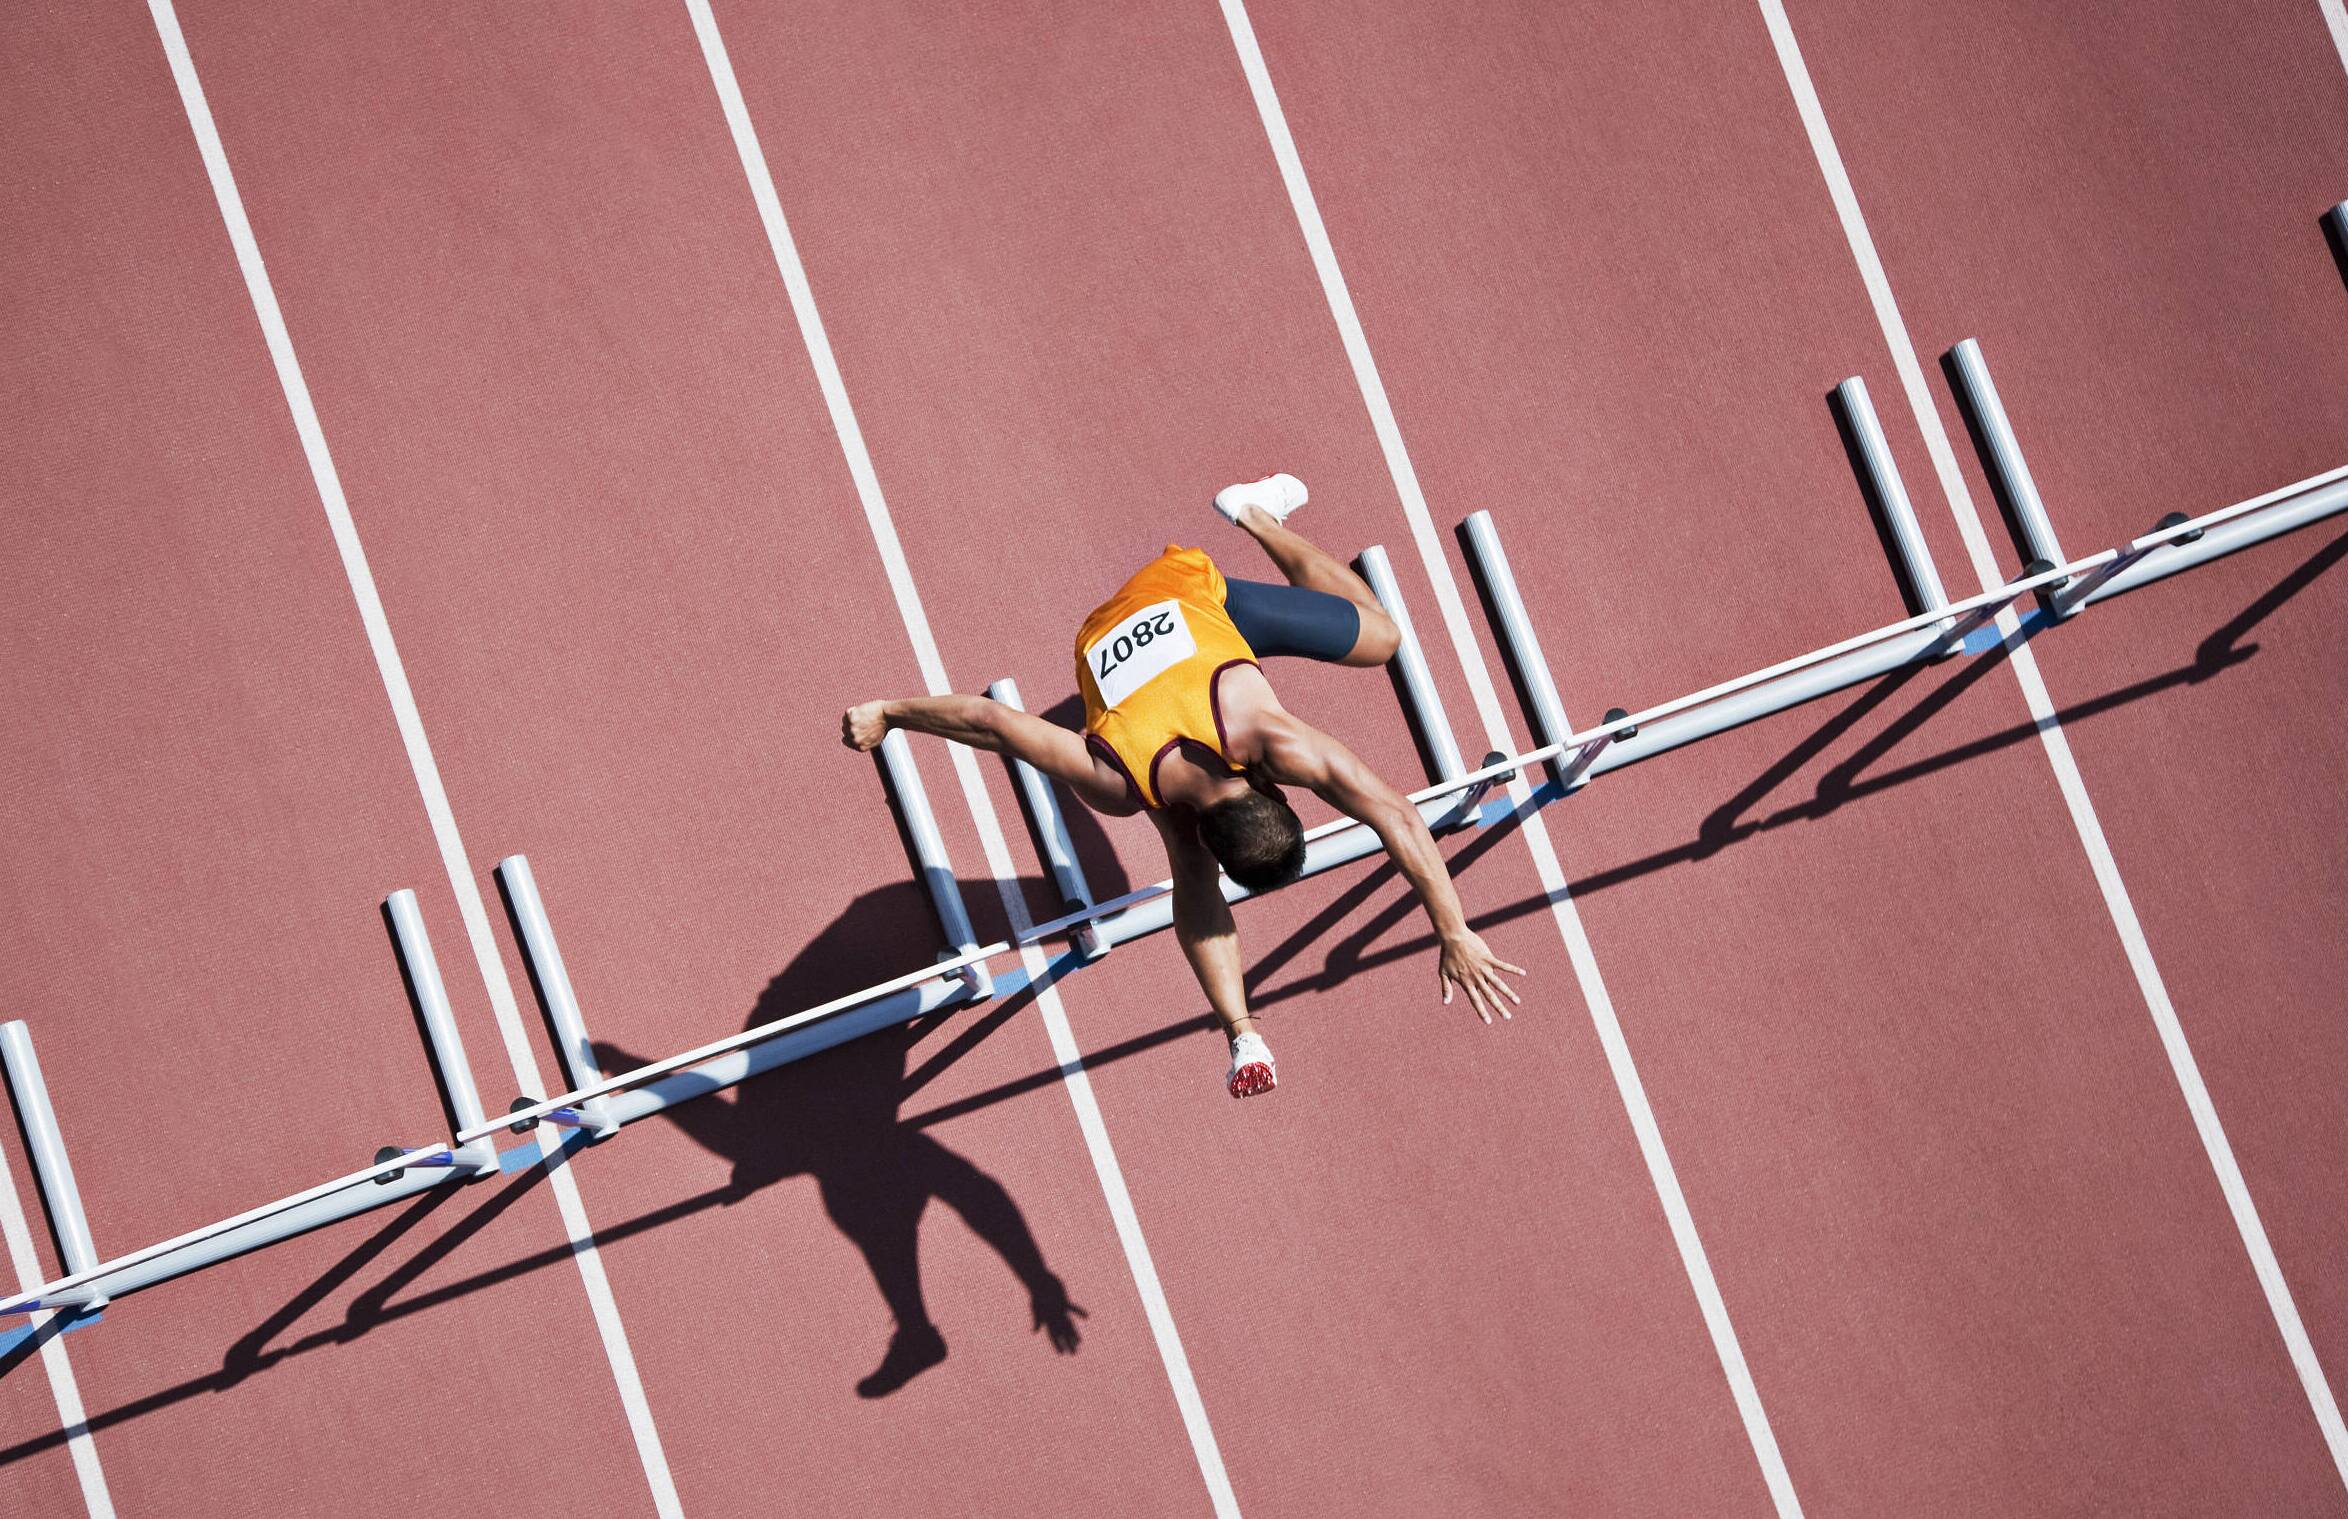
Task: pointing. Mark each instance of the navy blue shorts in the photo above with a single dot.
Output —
(1289, 619)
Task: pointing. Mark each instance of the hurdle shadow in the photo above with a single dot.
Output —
(2333, 240)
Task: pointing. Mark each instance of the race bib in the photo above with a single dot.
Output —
(1141, 647)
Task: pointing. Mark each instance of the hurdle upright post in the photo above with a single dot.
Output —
(573, 1049)
(2001, 459)
(928, 847)
(1048, 828)
(61, 1199)
(1519, 646)
(1422, 708)
(428, 996)
(1880, 478)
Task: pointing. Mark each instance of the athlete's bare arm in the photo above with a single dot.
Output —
(1202, 923)
(1295, 753)
(984, 723)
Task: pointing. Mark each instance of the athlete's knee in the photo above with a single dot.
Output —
(1378, 639)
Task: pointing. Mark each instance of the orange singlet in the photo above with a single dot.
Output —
(1147, 660)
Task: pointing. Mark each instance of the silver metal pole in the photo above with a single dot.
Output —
(929, 855)
(1543, 710)
(1048, 829)
(572, 1046)
(2001, 455)
(1891, 492)
(52, 1171)
(1422, 707)
(440, 1027)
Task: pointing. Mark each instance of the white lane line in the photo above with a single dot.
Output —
(1552, 876)
(411, 728)
(2058, 748)
(2336, 18)
(62, 1386)
(982, 808)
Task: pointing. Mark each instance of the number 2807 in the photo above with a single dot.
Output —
(1120, 649)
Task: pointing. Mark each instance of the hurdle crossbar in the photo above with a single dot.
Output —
(82, 1290)
(1631, 737)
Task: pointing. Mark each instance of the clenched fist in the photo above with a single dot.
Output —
(863, 726)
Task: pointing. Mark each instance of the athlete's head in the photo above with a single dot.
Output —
(1256, 837)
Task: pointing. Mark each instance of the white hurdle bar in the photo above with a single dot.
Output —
(1652, 731)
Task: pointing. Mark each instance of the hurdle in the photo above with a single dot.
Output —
(396, 1174)
(2136, 563)
(598, 1106)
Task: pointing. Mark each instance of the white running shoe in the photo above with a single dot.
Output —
(1278, 495)
(1251, 1067)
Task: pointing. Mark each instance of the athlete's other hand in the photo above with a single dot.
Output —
(1472, 968)
(864, 726)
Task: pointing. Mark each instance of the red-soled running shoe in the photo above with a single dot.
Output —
(1251, 1067)
(1278, 495)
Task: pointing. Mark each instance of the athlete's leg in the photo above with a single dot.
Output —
(1308, 566)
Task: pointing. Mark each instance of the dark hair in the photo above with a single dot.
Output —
(1257, 838)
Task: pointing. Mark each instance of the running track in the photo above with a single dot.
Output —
(1837, 1161)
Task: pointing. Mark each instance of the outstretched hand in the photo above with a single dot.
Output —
(1471, 967)
(862, 727)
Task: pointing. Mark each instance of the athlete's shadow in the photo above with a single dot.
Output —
(834, 1116)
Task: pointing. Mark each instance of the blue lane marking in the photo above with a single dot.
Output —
(529, 1153)
(15, 1337)
(1986, 637)
(1500, 809)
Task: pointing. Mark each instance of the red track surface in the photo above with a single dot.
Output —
(1959, 1216)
